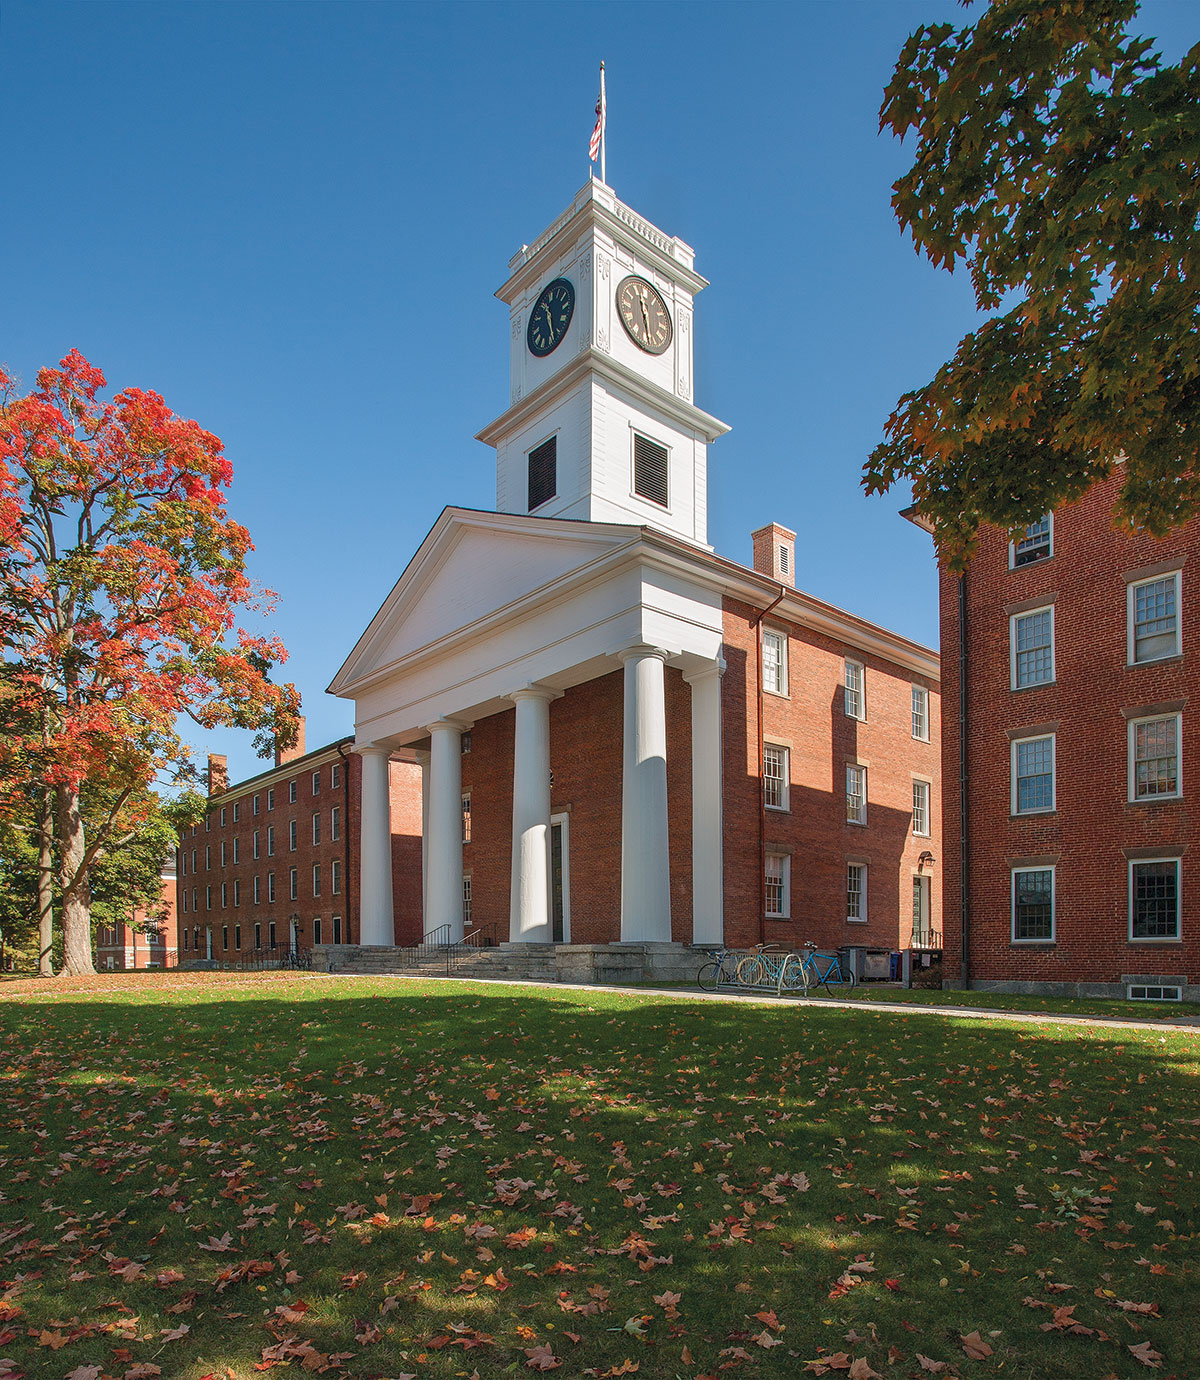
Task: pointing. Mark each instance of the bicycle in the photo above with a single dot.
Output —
(813, 974)
(782, 970)
(719, 971)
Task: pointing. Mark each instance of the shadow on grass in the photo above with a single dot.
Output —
(643, 1147)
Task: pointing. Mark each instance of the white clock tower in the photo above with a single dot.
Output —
(601, 425)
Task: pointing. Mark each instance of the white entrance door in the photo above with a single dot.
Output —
(560, 879)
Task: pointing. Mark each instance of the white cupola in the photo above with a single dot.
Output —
(601, 425)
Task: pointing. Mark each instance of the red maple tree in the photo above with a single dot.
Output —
(121, 581)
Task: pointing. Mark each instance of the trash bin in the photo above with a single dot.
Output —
(877, 965)
(852, 957)
(895, 966)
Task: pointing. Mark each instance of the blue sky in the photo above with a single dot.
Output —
(272, 213)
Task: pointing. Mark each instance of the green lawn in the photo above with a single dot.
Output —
(222, 1177)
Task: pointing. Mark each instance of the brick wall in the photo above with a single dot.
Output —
(811, 722)
(200, 864)
(1094, 825)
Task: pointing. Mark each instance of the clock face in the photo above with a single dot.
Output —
(550, 317)
(644, 314)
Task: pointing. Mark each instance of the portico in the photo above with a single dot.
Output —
(590, 622)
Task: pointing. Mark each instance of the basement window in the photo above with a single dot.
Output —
(1144, 991)
(650, 466)
(543, 473)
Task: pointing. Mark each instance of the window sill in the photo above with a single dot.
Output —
(778, 918)
(1135, 943)
(777, 694)
(1156, 799)
(1033, 943)
(1032, 814)
(1154, 660)
(778, 809)
(857, 823)
(1037, 685)
(851, 921)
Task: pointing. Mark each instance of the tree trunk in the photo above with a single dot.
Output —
(76, 890)
(45, 882)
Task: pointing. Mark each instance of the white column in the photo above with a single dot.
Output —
(423, 760)
(444, 892)
(708, 889)
(529, 907)
(375, 924)
(645, 852)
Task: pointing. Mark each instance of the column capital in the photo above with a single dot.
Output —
(458, 725)
(371, 750)
(713, 668)
(639, 651)
(534, 691)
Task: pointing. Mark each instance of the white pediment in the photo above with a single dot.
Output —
(474, 568)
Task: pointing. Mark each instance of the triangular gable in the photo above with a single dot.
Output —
(471, 566)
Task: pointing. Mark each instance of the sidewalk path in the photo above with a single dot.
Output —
(1184, 1023)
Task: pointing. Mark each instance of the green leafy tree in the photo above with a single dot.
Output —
(1058, 159)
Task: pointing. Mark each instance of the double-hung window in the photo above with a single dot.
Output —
(1154, 619)
(856, 893)
(335, 775)
(292, 835)
(1154, 899)
(1033, 905)
(920, 810)
(335, 877)
(316, 879)
(466, 816)
(855, 690)
(335, 822)
(316, 782)
(775, 776)
(270, 840)
(1032, 648)
(1035, 545)
(920, 713)
(1033, 775)
(316, 826)
(778, 880)
(255, 848)
(856, 794)
(293, 883)
(1154, 758)
(257, 889)
(774, 661)
(270, 890)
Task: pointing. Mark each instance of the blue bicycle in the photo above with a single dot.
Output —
(821, 970)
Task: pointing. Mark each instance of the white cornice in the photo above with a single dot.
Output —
(597, 205)
(636, 545)
(610, 371)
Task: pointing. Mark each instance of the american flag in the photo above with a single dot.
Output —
(598, 132)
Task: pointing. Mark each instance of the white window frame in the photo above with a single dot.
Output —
(316, 879)
(1131, 604)
(256, 804)
(335, 877)
(785, 780)
(254, 850)
(257, 889)
(316, 929)
(786, 878)
(862, 819)
(1176, 794)
(316, 826)
(271, 798)
(1012, 648)
(293, 883)
(920, 695)
(293, 834)
(1012, 904)
(1012, 548)
(466, 901)
(465, 808)
(1013, 804)
(1177, 937)
(270, 840)
(270, 889)
(291, 792)
(863, 917)
(783, 661)
(335, 775)
(335, 823)
(860, 691)
(928, 829)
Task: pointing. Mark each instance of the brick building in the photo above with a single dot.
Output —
(623, 736)
(274, 865)
(143, 941)
(1078, 658)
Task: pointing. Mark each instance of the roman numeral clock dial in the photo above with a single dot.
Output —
(644, 314)
(550, 317)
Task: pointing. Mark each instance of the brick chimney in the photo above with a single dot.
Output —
(218, 773)
(296, 750)
(775, 553)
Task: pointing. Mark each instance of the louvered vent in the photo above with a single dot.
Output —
(650, 470)
(783, 559)
(543, 468)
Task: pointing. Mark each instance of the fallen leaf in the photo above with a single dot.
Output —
(1146, 1354)
(975, 1347)
(541, 1358)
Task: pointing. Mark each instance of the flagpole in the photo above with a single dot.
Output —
(603, 127)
